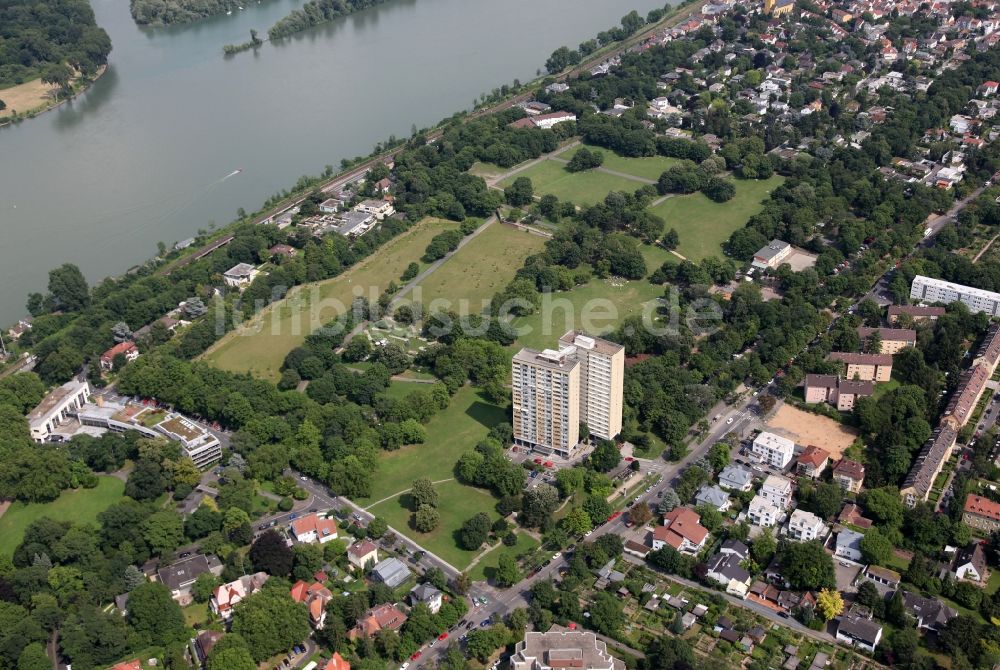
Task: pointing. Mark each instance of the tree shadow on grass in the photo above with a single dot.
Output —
(486, 413)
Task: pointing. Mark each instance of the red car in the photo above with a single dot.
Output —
(538, 461)
(629, 459)
(443, 636)
(614, 516)
(415, 656)
(547, 464)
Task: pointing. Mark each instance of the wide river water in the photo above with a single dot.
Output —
(143, 155)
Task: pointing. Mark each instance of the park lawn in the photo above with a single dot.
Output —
(456, 503)
(580, 188)
(399, 389)
(481, 169)
(78, 506)
(487, 565)
(650, 167)
(602, 303)
(260, 347)
(450, 433)
(704, 225)
(655, 256)
(467, 281)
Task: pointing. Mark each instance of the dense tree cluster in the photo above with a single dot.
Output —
(44, 38)
(315, 12)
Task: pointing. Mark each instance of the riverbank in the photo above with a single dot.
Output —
(37, 97)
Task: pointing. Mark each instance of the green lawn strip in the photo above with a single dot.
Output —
(456, 503)
(285, 324)
(451, 432)
(581, 188)
(467, 281)
(647, 167)
(703, 225)
(399, 390)
(487, 565)
(78, 506)
(596, 307)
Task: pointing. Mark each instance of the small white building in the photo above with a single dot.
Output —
(778, 490)
(240, 275)
(774, 450)
(849, 545)
(805, 526)
(770, 256)
(380, 209)
(762, 512)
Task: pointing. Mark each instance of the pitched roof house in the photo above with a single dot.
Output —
(382, 617)
(361, 553)
(315, 596)
(682, 530)
(225, 597)
(311, 528)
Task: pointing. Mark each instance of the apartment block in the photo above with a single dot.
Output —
(555, 390)
(773, 449)
(864, 367)
(778, 490)
(981, 513)
(928, 289)
(893, 339)
(602, 378)
(546, 398)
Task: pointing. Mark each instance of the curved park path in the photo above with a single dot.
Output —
(399, 493)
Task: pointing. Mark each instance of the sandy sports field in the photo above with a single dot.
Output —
(807, 428)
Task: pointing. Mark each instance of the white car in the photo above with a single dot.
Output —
(404, 666)
(729, 421)
(556, 555)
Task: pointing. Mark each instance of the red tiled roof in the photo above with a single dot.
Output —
(128, 665)
(981, 506)
(680, 524)
(814, 456)
(311, 523)
(849, 468)
(120, 348)
(337, 662)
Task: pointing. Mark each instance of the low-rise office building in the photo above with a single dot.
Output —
(561, 650)
(57, 407)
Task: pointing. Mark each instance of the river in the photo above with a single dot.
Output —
(143, 155)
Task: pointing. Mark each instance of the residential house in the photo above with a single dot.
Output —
(126, 349)
(336, 662)
(134, 664)
(713, 496)
(310, 529)
(772, 449)
(546, 121)
(915, 312)
(362, 553)
(225, 597)
(179, 577)
(392, 572)
(762, 512)
(428, 595)
(849, 545)
(850, 475)
(812, 461)
(804, 526)
(315, 596)
(771, 255)
(240, 275)
(929, 613)
(682, 530)
(859, 632)
(204, 643)
(778, 490)
(382, 617)
(735, 478)
(970, 564)
(726, 570)
(852, 515)
(893, 339)
(864, 367)
(981, 513)
(283, 251)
